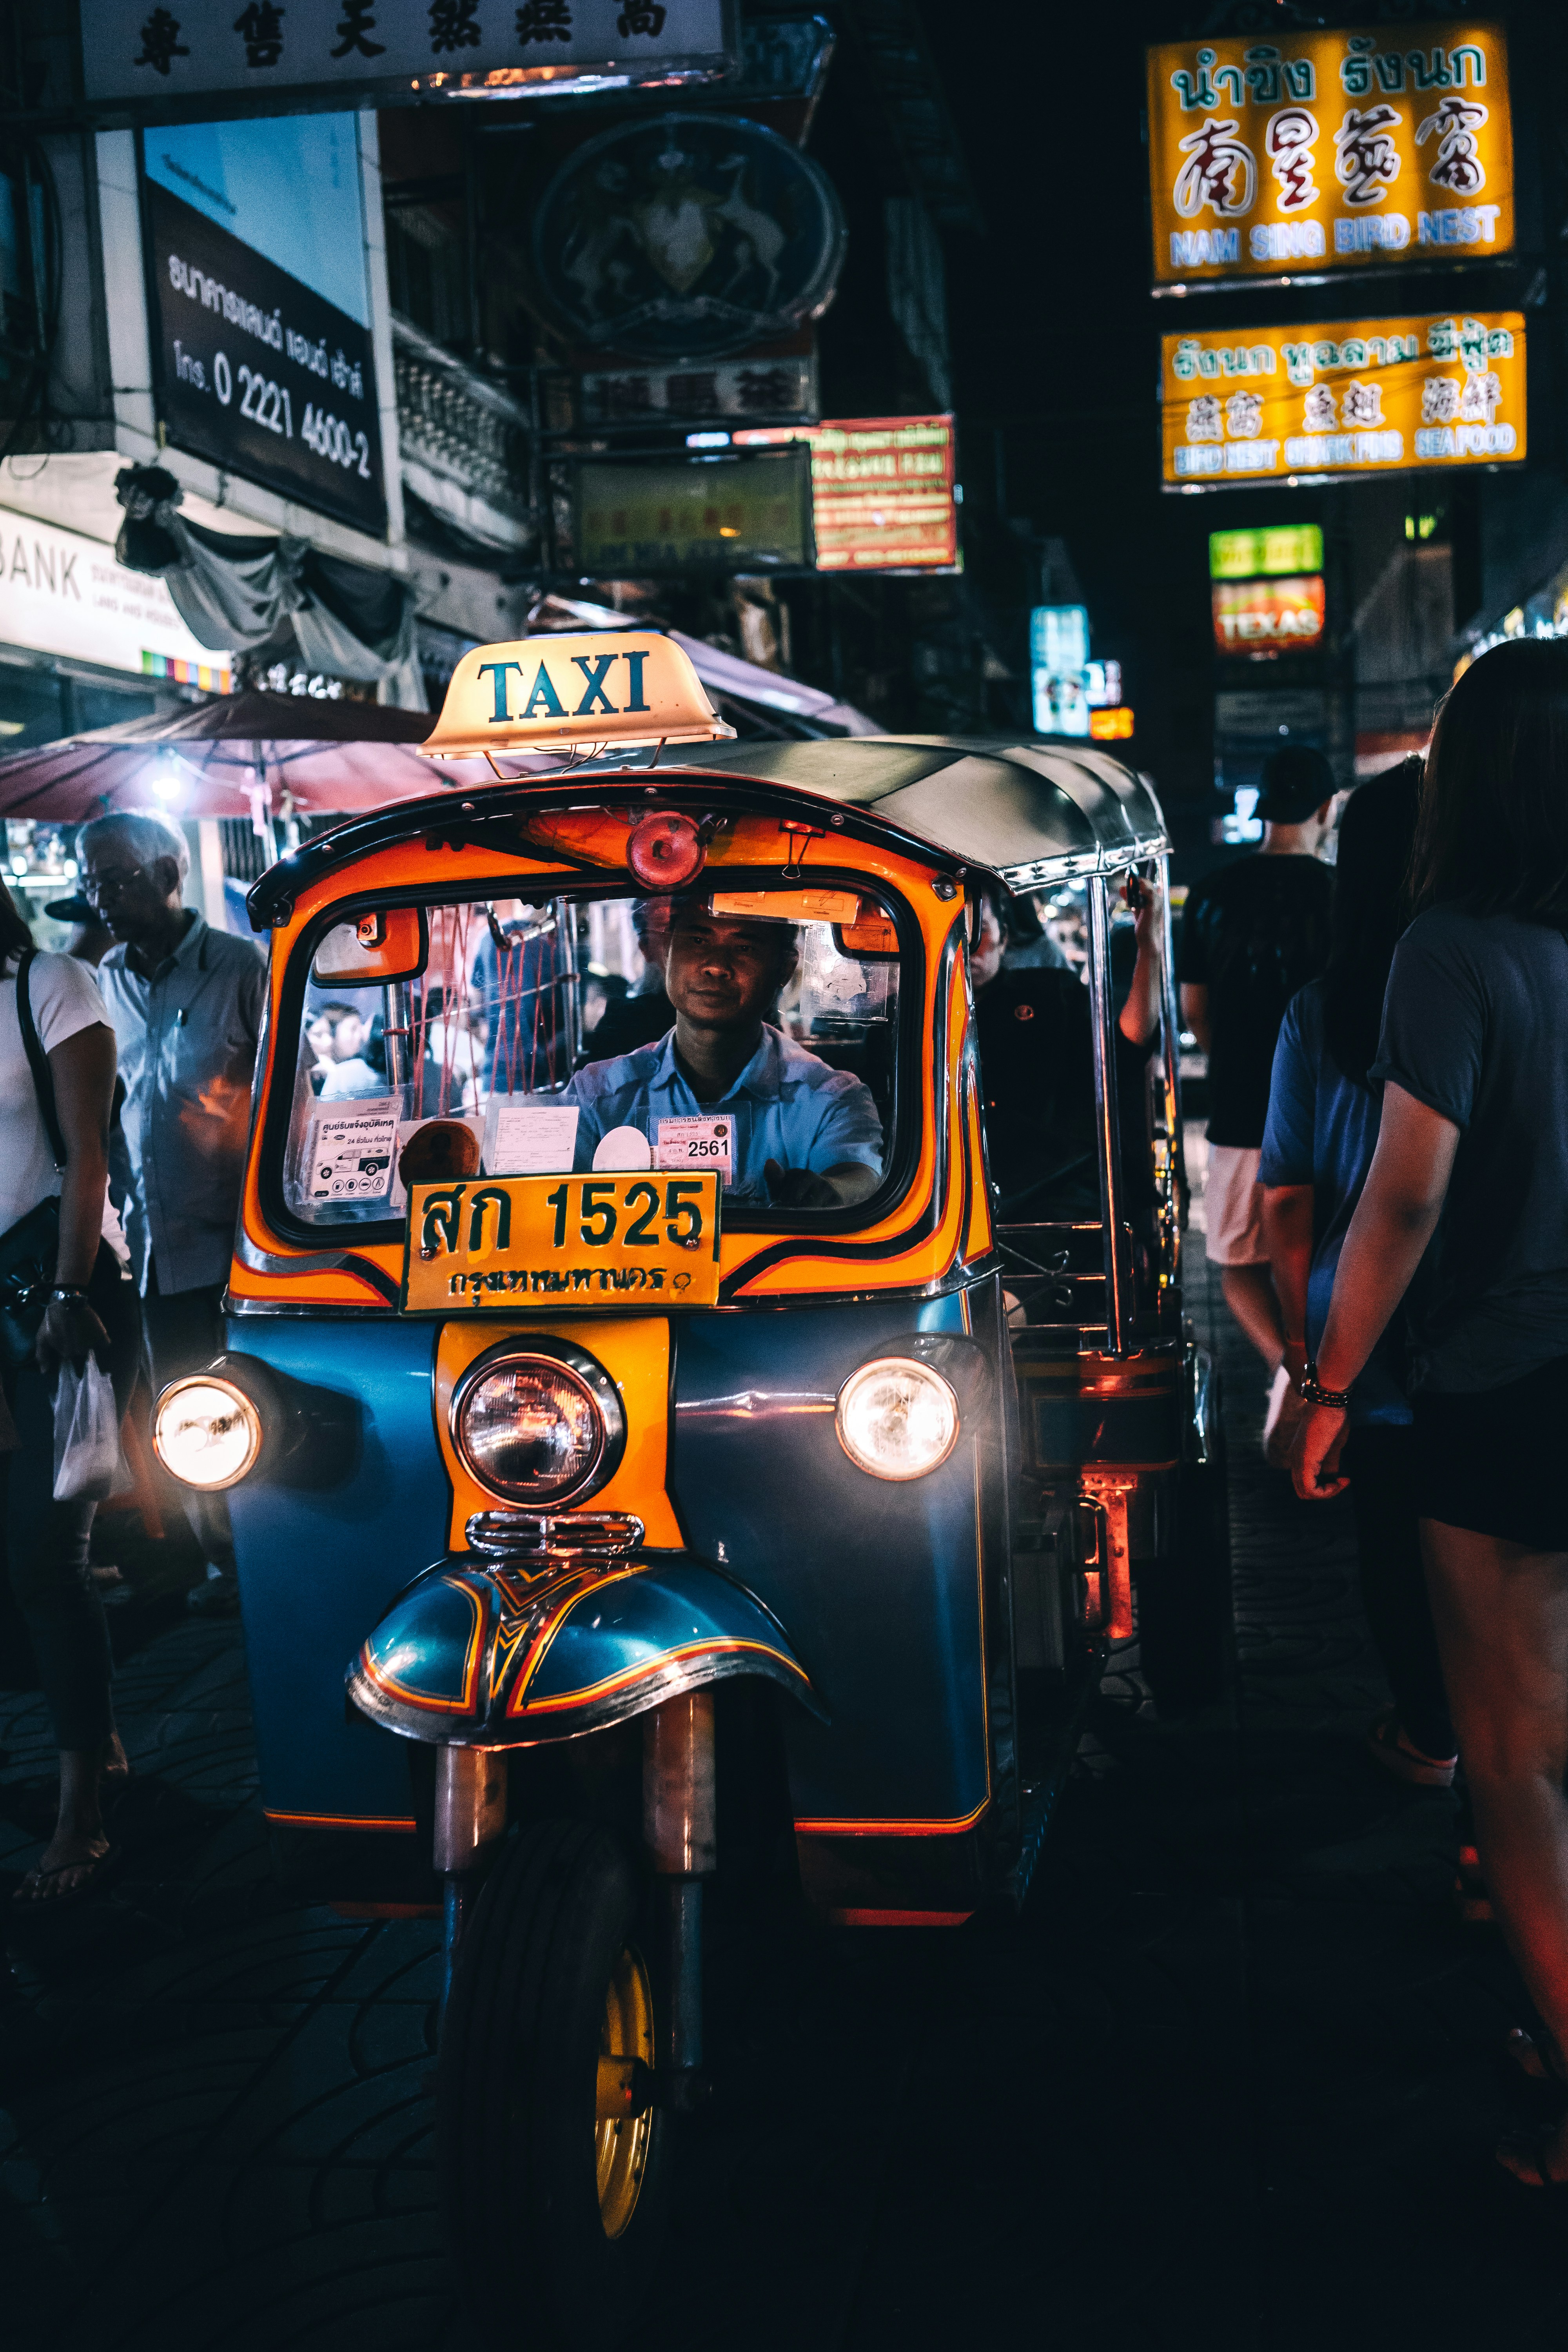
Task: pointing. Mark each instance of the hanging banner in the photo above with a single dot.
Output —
(1324, 151)
(1368, 395)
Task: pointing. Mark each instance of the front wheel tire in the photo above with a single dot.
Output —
(554, 2213)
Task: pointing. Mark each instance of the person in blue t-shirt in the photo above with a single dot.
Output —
(1322, 1132)
(806, 1136)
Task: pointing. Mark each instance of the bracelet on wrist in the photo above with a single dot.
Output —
(1313, 1392)
(64, 1291)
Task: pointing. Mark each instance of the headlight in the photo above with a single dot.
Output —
(536, 1427)
(897, 1418)
(205, 1432)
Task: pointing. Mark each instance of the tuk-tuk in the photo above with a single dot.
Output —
(627, 1442)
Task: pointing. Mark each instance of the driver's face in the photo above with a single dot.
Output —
(723, 974)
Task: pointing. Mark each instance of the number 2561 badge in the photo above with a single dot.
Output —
(705, 1142)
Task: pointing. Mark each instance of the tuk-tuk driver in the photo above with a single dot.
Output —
(806, 1136)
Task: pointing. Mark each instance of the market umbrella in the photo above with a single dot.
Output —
(235, 755)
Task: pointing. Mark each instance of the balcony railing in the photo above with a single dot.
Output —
(464, 442)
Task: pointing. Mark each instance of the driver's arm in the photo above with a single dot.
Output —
(826, 1188)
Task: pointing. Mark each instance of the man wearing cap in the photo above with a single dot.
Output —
(186, 1002)
(1252, 934)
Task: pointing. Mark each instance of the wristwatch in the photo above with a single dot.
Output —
(1313, 1392)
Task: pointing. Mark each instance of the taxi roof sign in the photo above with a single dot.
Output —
(603, 690)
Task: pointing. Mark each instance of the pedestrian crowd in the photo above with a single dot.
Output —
(1388, 1205)
(125, 1076)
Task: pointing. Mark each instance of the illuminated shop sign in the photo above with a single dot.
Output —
(1330, 151)
(1372, 396)
(1058, 669)
(1279, 548)
(882, 490)
(663, 515)
(1267, 616)
(62, 593)
(1112, 726)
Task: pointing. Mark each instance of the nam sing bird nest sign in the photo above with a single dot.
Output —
(602, 690)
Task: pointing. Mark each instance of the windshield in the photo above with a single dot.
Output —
(748, 1032)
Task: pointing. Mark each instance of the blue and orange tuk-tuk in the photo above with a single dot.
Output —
(612, 1436)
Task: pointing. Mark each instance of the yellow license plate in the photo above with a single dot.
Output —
(569, 1242)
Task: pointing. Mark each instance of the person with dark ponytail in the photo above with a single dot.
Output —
(1318, 1145)
(1472, 1164)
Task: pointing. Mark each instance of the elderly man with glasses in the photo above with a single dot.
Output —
(186, 1002)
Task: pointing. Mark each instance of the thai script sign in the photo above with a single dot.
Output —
(1267, 616)
(882, 490)
(1362, 396)
(1326, 151)
(570, 1241)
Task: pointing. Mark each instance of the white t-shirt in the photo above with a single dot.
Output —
(64, 998)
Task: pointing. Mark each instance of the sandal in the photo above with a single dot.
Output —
(1531, 2153)
(1539, 2059)
(1470, 1896)
(31, 1902)
(1387, 1742)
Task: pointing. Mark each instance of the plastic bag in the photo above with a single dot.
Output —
(87, 1434)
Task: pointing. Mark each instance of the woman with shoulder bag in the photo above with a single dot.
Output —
(1472, 1157)
(61, 1298)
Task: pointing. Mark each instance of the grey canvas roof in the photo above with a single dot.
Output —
(1031, 813)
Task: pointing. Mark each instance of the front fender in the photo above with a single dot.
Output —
(477, 1655)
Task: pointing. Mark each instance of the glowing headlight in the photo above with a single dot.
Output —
(897, 1418)
(207, 1431)
(530, 1428)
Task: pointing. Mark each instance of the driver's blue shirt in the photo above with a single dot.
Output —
(787, 1105)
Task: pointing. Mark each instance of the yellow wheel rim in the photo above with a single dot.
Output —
(622, 2143)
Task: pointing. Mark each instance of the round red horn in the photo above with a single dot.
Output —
(664, 852)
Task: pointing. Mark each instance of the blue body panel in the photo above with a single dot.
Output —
(484, 1655)
(876, 1584)
(318, 1567)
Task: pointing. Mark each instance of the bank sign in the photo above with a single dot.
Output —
(61, 593)
(1320, 152)
(1371, 396)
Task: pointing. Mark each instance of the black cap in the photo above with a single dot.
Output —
(1296, 780)
(74, 910)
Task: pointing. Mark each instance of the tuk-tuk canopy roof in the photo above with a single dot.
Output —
(1031, 814)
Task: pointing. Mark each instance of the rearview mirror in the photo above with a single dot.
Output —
(387, 945)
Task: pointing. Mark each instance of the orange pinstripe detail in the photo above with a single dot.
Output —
(630, 1674)
(553, 1625)
(899, 1918)
(403, 1824)
(891, 1829)
(463, 1705)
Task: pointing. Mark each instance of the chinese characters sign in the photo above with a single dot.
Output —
(1330, 151)
(759, 386)
(152, 59)
(1267, 616)
(1365, 397)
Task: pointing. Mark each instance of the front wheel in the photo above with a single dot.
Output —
(554, 2211)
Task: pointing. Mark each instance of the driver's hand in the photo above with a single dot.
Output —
(69, 1328)
(797, 1188)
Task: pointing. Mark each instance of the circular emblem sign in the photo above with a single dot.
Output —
(686, 238)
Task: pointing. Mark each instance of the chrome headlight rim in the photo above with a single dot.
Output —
(894, 1362)
(561, 1355)
(255, 1428)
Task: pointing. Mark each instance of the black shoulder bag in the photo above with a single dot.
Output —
(30, 1250)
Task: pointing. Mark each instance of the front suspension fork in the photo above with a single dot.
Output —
(679, 1834)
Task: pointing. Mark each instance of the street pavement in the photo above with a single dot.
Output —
(1232, 2081)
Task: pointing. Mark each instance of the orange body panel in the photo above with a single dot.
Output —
(950, 1174)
